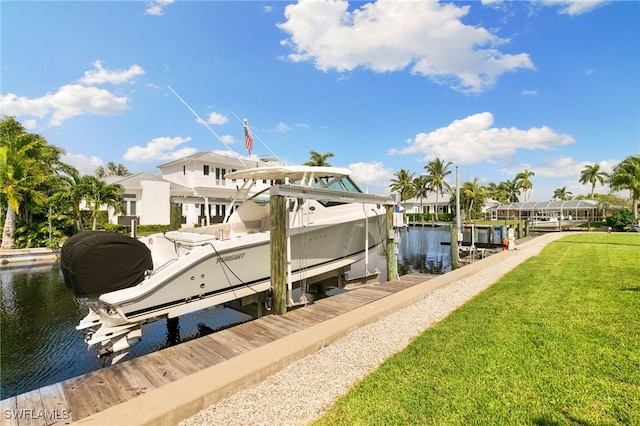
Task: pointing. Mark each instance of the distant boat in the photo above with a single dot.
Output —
(554, 223)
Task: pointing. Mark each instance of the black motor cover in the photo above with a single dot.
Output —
(97, 262)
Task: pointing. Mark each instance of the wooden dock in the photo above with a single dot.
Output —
(80, 397)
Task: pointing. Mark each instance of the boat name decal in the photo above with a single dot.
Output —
(230, 257)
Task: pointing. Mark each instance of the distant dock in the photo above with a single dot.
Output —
(17, 257)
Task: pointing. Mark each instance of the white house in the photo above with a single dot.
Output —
(428, 204)
(195, 183)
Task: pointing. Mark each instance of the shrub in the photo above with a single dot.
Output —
(621, 220)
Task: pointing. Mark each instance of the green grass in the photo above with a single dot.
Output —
(556, 341)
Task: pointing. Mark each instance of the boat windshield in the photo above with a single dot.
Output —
(342, 184)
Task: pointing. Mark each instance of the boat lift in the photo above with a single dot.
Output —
(280, 233)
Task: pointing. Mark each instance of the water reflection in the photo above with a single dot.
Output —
(421, 250)
(39, 344)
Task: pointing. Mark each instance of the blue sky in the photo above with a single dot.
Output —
(494, 87)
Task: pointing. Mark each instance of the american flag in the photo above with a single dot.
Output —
(248, 138)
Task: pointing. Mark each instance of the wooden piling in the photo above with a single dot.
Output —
(392, 260)
(455, 264)
(278, 238)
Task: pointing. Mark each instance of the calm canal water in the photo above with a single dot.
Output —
(39, 344)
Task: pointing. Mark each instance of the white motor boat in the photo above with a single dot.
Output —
(126, 282)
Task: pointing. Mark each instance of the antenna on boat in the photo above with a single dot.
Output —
(258, 137)
(201, 121)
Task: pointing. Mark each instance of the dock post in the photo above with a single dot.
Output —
(392, 260)
(455, 264)
(278, 237)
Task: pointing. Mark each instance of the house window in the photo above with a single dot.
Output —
(130, 202)
(205, 170)
(220, 176)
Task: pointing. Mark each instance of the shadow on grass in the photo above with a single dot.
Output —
(631, 289)
(597, 243)
(570, 420)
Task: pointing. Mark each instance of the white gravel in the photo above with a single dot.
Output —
(304, 390)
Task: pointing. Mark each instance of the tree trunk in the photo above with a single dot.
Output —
(9, 228)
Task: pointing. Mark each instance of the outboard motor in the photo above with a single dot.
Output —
(98, 262)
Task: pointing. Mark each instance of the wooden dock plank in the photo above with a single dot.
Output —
(307, 316)
(283, 322)
(9, 407)
(145, 367)
(138, 382)
(202, 356)
(162, 367)
(54, 401)
(78, 398)
(280, 325)
(180, 358)
(29, 405)
(223, 345)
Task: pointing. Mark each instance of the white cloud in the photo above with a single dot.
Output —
(388, 35)
(216, 118)
(282, 127)
(370, 172)
(74, 99)
(560, 167)
(85, 165)
(30, 124)
(574, 7)
(156, 7)
(162, 148)
(472, 140)
(374, 174)
(101, 75)
(228, 139)
(530, 92)
(69, 101)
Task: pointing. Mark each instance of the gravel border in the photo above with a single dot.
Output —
(303, 391)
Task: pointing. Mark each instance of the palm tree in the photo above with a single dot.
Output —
(592, 175)
(562, 194)
(318, 159)
(523, 181)
(112, 169)
(27, 161)
(437, 171)
(98, 194)
(511, 189)
(496, 192)
(420, 190)
(626, 175)
(77, 187)
(473, 197)
(403, 183)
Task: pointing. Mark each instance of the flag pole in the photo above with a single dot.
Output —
(258, 137)
(201, 121)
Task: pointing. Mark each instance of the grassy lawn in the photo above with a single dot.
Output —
(556, 341)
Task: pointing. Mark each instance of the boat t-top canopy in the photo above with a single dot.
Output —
(293, 173)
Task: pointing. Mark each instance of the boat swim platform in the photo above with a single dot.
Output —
(175, 383)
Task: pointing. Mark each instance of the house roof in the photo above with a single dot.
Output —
(547, 205)
(131, 181)
(226, 158)
(134, 182)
